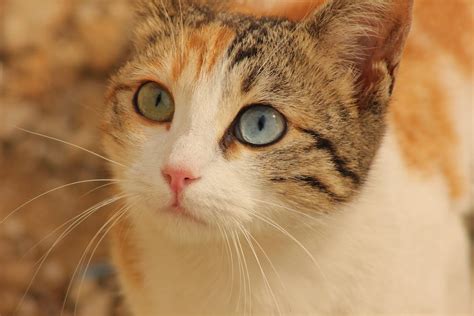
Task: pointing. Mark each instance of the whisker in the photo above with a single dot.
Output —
(99, 188)
(226, 237)
(224, 255)
(114, 219)
(268, 259)
(72, 145)
(51, 191)
(81, 219)
(289, 235)
(265, 279)
(76, 223)
(295, 240)
(248, 285)
(81, 214)
(292, 211)
(241, 275)
(222, 251)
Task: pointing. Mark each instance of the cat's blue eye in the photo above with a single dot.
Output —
(154, 102)
(260, 125)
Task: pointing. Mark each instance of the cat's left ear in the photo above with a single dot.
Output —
(368, 35)
(157, 18)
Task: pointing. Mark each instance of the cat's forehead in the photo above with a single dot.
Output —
(200, 50)
(165, 23)
(233, 35)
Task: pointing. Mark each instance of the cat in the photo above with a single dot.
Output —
(290, 158)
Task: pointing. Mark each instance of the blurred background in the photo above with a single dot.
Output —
(55, 58)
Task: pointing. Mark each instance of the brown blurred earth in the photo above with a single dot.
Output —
(55, 58)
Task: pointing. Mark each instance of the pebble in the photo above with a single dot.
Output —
(98, 304)
(54, 274)
(13, 229)
(16, 274)
(8, 301)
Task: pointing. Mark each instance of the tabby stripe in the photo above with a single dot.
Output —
(244, 54)
(116, 138)
(315, 184)
(251, 27)
(112, 95)
(339, 163)
(252, 30)
(249, 81)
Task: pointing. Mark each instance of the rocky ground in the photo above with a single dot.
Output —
(55, 58)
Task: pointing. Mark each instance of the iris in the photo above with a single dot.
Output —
(154, 102)
(260, 125)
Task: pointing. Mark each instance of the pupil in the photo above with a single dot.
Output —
(158, 100)
(261, 122)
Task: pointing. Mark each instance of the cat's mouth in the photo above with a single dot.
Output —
(183, 213)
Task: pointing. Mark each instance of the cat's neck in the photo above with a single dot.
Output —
(226, 273)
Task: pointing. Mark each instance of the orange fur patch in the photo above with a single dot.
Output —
(450, 24)
(178, 65)
(127, 252)
(197, 44)
(222, 40)
(422, 117)
(206, 49)
(421, 111)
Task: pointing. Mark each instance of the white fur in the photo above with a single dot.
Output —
(398, 249)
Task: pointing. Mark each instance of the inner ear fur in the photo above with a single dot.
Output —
(368, 36)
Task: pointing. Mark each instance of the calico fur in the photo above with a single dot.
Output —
(355, 211)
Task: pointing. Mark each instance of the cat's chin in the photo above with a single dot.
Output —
(190, 223)
(182, 226)
(181, 213)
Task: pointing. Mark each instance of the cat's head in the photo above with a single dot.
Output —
(223, 119)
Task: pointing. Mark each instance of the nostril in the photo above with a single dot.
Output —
(167, 177)
(188, 180)
(178, 178)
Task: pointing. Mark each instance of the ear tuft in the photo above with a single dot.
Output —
(368, 35)
(167, 7)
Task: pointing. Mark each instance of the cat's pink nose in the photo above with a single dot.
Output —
(179, 178)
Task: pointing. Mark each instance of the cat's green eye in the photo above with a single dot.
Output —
(260, 125)
(154, 102)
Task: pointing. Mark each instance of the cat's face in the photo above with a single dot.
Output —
(222, 119)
